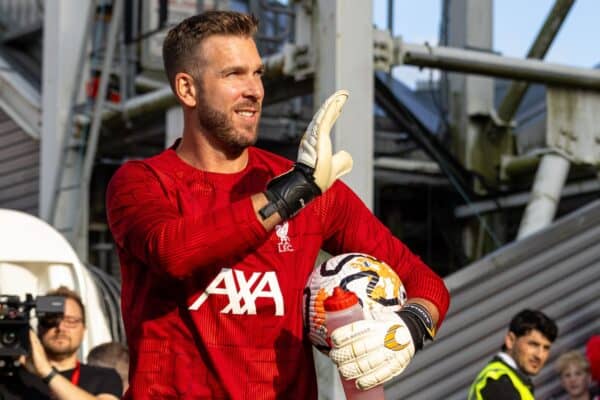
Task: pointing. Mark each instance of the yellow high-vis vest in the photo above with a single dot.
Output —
(495, 370)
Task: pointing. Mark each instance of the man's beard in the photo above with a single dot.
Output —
(220, 126)
(57, 352)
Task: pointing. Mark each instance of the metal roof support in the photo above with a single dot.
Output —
(402, 164)
(344, 29)
(59, 63)
(470, 97)
(516, 92)
(476, 62)
(520, 199)
(572, 121)
(545, 194)
(66, 148)
(64, 30)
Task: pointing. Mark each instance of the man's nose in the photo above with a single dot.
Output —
(540, 354)
(254, 89)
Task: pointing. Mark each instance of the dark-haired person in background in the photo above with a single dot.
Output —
(52, 370)
(525, 351)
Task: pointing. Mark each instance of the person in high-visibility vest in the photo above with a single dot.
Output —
(525, 351)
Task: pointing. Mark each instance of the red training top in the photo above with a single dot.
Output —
(212, 303)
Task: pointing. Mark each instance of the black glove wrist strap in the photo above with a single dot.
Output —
(419, 323)
(290, 192)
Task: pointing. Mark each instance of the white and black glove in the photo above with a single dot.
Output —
(374, 351)
(316, 167)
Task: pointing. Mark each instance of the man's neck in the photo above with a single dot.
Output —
(63, 364)
(197, 153)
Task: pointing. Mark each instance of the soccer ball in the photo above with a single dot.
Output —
(374, 282)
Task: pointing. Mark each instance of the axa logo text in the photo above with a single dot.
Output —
(243, 300)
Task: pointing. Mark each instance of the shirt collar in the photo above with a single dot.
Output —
(508, 360)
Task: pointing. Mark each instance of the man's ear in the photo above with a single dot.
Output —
(509, 341)
(185, 89)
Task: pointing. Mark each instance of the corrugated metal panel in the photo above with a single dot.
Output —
(17, 15)
(19, 167)
(556, 270)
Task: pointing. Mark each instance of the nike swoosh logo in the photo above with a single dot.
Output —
(390, 339)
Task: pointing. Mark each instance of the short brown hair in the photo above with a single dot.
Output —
(63, 291)
(184, 38)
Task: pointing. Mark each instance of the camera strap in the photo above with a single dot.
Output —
(76, 373)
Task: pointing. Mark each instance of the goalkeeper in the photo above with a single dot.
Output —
(216, 239)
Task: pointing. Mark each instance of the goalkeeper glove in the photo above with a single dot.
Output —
(374, 351)
(315, 169)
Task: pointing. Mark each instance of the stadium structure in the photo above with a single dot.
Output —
(489, 172)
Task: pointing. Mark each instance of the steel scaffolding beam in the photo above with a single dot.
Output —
(480, 63)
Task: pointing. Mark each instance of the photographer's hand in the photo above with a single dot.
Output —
(37, 363)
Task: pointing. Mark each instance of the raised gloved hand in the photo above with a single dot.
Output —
(374, 351)
(316, 168)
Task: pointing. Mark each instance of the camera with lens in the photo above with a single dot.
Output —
(14, 325)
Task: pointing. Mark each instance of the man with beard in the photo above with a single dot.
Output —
(216, 239)
(524, 353)
(52, 370)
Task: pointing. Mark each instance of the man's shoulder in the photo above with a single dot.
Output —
(165, 159)
(138, 168)
(499, 364)
(99, 373)
(97, 380)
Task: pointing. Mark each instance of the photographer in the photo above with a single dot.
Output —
(52, 370)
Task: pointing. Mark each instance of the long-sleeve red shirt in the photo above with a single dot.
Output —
(212, 303)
